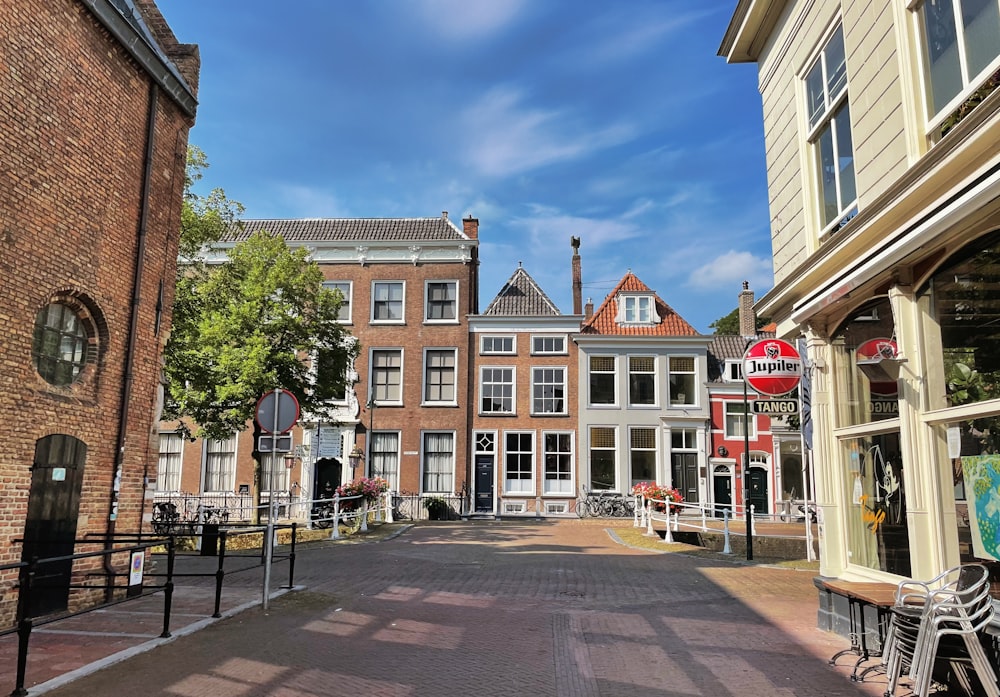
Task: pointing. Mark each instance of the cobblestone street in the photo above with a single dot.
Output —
(502, 609)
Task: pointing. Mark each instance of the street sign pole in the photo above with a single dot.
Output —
(746, 471)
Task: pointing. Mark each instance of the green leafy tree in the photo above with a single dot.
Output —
(730, 324)
(259, 321)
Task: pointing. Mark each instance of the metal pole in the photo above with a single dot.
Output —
(746, 470)
(805, 481)
(268, 553)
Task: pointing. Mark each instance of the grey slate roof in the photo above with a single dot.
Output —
(521, 297)
(727, 347)
(353, 229)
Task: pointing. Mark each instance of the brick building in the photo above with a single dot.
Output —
(525, 409)
(99, 100)
(409, 285)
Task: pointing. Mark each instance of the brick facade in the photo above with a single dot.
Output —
(74, 210)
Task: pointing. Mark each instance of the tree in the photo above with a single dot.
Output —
(730, 324)
(259, 321)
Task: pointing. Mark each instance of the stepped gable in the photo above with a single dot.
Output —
(521, 297)
(603, 321)
(351, 229)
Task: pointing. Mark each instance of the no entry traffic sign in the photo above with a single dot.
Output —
(772, 367)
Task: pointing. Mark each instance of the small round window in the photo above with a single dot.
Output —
(60, 344)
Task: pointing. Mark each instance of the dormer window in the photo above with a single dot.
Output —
(636, 309)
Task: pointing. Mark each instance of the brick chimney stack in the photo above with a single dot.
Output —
(748, 318)
(577, 276)
(589, 309)
(470, 226)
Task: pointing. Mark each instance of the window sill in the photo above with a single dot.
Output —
(445, 405)
(495, 413)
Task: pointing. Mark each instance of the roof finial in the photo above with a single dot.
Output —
(518, 264)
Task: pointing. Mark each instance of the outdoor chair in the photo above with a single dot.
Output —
(939, 621)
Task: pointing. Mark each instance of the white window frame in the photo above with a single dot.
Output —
(823, 120)
(375, 301)
(558, 485)
(616, 460)
(654, 372)
(637, 309)
(727, 413)
(655, 449)
(377, 456)
(692, 400)
(424, 452)
(170, 464)
(535, 384)
(226, 476)
(614, 377)
(426, 376)
(970, 83)
(348, 298)
(538, 347)
(492, 351)
(732, 371)
(273, 471)
(373, 387)
(513, 390)
(520, 485)
(427, 301)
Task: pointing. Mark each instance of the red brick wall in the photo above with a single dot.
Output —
(71, 168)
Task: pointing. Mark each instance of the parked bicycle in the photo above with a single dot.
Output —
(605, 504)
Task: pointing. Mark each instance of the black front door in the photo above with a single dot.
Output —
(328, 474)
(722, 489)
(685, 475)
(50, 528)
(484, 483)
(758, 490)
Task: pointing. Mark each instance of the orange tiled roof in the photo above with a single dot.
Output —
(603, 321)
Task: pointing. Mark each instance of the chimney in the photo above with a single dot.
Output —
(589, 310)
(577, 276)
(748, 318)
(470, 226)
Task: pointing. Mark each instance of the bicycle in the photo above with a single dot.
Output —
(165, 518)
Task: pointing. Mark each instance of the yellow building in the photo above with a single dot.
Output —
(882, 125)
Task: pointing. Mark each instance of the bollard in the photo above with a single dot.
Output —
(364, 515)
(667, 537)
(538, 507)
(168, 588)
(335, 533)
(648, 517)
(726, 549)
(220, 575)
(388, 507)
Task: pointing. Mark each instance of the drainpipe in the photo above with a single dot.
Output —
(129, 365)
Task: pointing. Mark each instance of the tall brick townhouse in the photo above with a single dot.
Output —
(409, 285)
(881, 123)
(98, 100)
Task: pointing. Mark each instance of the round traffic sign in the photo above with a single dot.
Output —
(772, 367)
(277, 411)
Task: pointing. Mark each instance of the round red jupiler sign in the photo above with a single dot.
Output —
(879, 348)
(772, 367)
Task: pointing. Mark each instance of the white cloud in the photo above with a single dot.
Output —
(461, 19)
(548, 226)
(505, 137)
(729, 270)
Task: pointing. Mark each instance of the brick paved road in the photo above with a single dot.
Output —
(504, 609)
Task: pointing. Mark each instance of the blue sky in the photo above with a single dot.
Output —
(612, 121)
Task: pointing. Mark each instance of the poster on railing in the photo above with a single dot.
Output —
(982, 493)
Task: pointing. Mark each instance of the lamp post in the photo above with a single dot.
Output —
(372, 405)
(355, 458)
(746, 471)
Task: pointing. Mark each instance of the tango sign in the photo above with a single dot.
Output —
(772, 367)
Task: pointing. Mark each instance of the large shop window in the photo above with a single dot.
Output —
(963, 304)
(865, 351)
(865, 356)
(876, 520)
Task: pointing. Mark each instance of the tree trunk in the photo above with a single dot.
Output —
(255, 486)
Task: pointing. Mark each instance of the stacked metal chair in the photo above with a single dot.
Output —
(940, 620)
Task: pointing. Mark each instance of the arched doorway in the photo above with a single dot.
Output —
(328, 477)
(50, 526)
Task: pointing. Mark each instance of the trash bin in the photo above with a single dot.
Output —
(210, 540)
